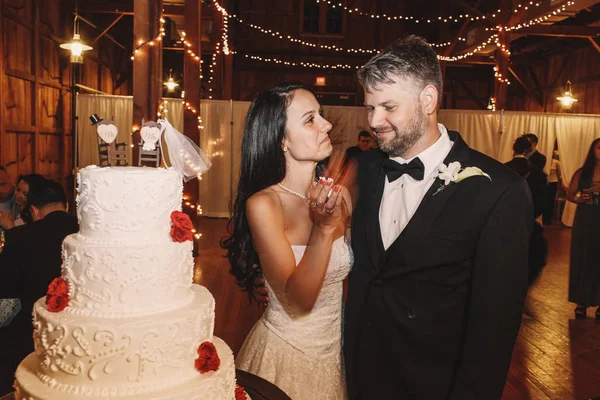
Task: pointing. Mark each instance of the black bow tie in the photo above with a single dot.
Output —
(394, 170)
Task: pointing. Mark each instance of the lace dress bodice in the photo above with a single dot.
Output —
(319, 331)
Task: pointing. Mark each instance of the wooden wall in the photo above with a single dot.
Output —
(546, 79)
(35, 85)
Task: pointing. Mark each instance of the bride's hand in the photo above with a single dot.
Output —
(325, 202)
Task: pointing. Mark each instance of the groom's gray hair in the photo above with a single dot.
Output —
(411, 58)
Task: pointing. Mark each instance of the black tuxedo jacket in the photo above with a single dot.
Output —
(437, 314)
(31, 258)
(537, 160)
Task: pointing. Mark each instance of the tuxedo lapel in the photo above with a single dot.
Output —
(373, 229)
(437, 195)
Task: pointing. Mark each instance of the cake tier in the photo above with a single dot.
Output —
(124, 281)
(217, 385)
(124, 357)
(127, 204)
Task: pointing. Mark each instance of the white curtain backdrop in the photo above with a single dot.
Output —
(216, 141)
(479, 129)
(491, 133)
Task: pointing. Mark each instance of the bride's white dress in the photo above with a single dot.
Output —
(302, 354)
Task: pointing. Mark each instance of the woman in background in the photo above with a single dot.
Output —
(584, 278)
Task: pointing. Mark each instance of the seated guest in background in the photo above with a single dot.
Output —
(30, 260)
(20, 198)
(364, 144)
(8, 207)
(537, 159)
(536, 180)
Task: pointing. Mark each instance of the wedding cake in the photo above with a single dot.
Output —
(125, 321)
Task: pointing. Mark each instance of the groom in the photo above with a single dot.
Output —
(440, 274)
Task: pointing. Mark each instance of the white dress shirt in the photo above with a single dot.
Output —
(402, 197)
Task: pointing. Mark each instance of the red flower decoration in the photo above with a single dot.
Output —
(240, 393)
(57, 297)
(208, 359)
(181, 227)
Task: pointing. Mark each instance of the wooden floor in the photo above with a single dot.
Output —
(556, 357)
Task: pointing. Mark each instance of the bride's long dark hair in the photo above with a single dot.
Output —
(263, 165)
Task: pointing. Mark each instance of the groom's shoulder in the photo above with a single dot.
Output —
(499, 172)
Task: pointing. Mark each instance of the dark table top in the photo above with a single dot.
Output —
(256, 387)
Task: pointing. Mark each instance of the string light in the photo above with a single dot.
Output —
(225, 29)
(481, 46)
(300, 63)
(534, 21)
(152, 42)
(499, 76)
(491, 104)
(440, 19)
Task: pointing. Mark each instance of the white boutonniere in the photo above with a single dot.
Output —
(454, 173)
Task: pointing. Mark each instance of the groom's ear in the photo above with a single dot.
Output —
(429, 99)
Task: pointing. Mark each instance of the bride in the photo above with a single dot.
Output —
(293, 227)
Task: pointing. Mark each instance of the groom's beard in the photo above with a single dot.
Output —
(401, 142)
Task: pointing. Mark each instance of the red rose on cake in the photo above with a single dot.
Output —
(240, 393)
(181, 227)
(208, 359)
(57, 297)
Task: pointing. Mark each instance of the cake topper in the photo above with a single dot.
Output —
(150, 134)
(185, 156)
(107, 130)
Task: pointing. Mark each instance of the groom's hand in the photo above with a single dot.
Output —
(261, 291)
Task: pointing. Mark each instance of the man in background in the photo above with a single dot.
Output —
(537, 159)
(31, 259)
(364, 144)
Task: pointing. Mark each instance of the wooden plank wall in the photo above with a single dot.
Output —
(580, 66)
(35, 85)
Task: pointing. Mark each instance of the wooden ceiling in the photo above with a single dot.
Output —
(576, 25)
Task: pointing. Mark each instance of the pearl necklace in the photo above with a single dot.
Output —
(293, 192)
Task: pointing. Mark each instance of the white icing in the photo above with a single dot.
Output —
(217, 385)
(128, 205)
(123, 281)
(126, 355)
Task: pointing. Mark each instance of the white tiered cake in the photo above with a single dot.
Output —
(134, 320)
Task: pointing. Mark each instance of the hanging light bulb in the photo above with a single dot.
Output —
(170, 83)
(567, 98)
(491, 104)
(75, 46)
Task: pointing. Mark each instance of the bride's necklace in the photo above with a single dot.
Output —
(303, 197)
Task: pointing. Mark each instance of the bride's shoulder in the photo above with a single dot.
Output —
(264, 201)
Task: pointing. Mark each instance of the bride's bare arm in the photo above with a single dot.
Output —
(301, 284)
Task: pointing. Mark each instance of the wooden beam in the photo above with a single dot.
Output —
(460, 32)
(112, 39)
(2, 90)
(37, 64)
(538, 87)
(192, 85)
(125, 8)
(147, 67)
(527, 88)
(471, 10)
(572, 31)
(108, 28)
(594, 43)
(472, 95)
